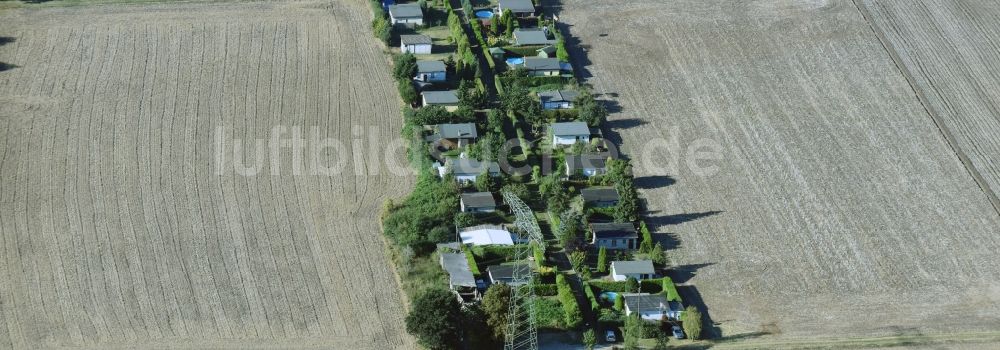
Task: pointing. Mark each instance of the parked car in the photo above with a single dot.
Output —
(678, 332)
(609, 336)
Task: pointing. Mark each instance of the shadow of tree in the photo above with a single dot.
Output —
(692, 297)
(658, 221)
(653, 181)
(684, 273)
(6, 66)
(4, 40)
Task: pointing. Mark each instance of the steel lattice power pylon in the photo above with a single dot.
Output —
(522, 332)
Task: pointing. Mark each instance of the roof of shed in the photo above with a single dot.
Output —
(531, 36)
(542, 63)
(570, 129)
(430, 66)
(415, 40)
(517, 5)
(406, 10)
(478, 199)
(447, 97)
(614, 230)
(586, 161)
(599, 194)
(558, 96)
(454, 131)
(633, 267)
(458, 269)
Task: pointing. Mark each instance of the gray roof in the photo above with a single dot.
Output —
(506, 272)
(586, 161)
(428, 66)
(633, 267)
(478, 200)
(599, 194)
(465, 166)
(559, 96)
(415, 39)
(405, 11)
(457, 131)
(548, 50)
(637, 302)
(517, 5)
(532, 36)
(541, 63)
(614, 230)
(440, 97)
(570, 129)
(458, 269)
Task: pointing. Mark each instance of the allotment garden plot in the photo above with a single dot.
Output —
(837, 209)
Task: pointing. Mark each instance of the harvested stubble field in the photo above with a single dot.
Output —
(837, 208)
(951, 49)
(116, 229)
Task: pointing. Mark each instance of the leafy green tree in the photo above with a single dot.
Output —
(589, 110)
(382, 29)
(602, 260)
(496, 303)
(577, 259)
(408, 92)
(661, 342)
(440, 234)
(485, 182)
(589, 339)
(495, 120)
(657, 255)
(508, 23)
(627, 209)
(463, 114)
(691, 320)
(632, 284)
(536, 119)
(404, 66)
(435, 318)
(633, 332)
(477, 333)
(432, 203)
(428, 115)
(647, 238)
(470, 96)
(619, 302)
(517, 99)
(519, 190)
(465, 220)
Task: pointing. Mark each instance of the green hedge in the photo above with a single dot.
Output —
(546, 290)
(651, 286)
(670, 289)
(548, 314)
(472, 263)
(572, 314)
(539, 255)
(608, 286)
(528, 51)
(589, 291)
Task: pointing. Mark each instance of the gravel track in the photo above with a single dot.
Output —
(115, 229)
(837, 208)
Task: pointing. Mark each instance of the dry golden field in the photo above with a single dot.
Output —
(119, 227)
